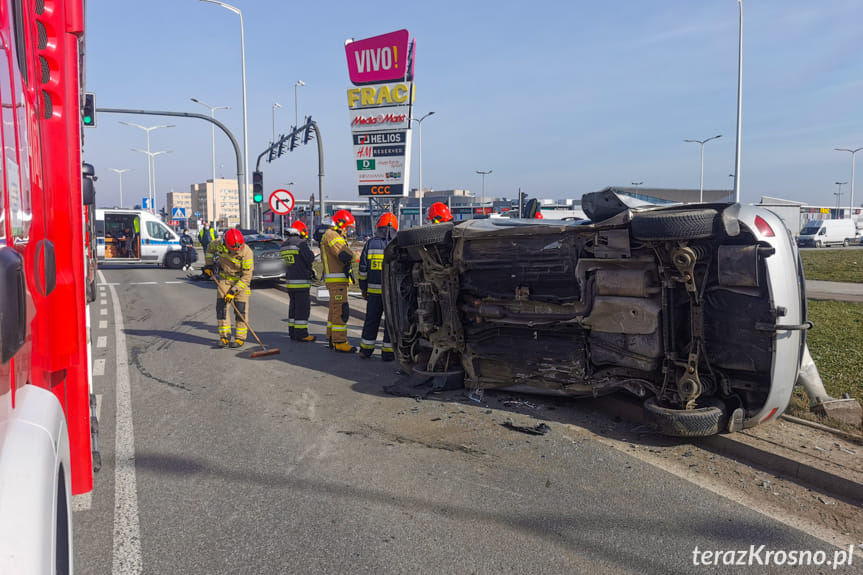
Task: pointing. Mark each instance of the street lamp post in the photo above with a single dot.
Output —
(702, 142)
(276, 105)
(150, 156)
(636, 184)
(838, 193)
(484, 174)
(212, 109)
(853, 153)
(151, 191)
(420, 191)
(244, 185)
(120, 173)
(739, 103)
(296, 116)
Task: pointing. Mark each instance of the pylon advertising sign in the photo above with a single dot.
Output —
(380, 106)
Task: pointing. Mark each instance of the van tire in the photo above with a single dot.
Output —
(845, 243)
(818, 244)
(174, 260)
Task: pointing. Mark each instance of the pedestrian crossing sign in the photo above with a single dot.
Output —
(178, 214)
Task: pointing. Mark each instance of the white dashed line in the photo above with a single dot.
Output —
(102, 341)
(103, 324)
(143, 283)
(103, 311)
(98, 367)
(175, 282)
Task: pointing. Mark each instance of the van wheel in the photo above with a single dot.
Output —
(174, 260)
(845, 243)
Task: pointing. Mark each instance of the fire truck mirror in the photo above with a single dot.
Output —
(45, 267)
(13, 312)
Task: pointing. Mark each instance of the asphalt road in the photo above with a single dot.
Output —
(214, 462)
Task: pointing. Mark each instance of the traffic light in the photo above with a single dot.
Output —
(293, 143)
(258, 187)
(308, 134)
(88, 113)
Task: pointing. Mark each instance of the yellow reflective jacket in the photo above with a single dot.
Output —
(235, 267)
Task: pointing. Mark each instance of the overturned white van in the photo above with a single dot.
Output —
(136, 236)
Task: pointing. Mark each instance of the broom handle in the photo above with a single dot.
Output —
(239, 313)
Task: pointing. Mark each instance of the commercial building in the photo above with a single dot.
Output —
(227, 206)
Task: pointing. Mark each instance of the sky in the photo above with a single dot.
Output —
(557, 98)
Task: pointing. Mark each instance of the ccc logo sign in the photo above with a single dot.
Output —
(380, 190)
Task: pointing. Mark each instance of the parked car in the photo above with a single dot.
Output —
(268, 257)
(699, 310)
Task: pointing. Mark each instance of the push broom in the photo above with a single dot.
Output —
(264, 352)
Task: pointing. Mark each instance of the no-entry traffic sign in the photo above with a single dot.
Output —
(282, 202)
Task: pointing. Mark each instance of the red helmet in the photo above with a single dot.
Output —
(343, 219)
(439, 212)
(234, 239)
(301, 227)
(538, 216)
(388, 219)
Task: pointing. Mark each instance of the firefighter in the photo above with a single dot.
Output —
(371, 280)
(232, 262)
(439, 213)
(298, 258)
(338, 259)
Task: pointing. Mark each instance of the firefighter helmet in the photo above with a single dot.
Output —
(388, 219)
(538, 216)
(343, 219)
(301, 227)
(234, 239)
(439, 212)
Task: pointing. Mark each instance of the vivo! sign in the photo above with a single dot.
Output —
(379, 59)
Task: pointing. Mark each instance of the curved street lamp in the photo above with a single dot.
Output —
(212, 109)
(150, 156)
(484, 174)
(296, 117)
(702, 142)
(420, 194)
(244, 185)
(151, 190)
(120, 173)
(853, 153)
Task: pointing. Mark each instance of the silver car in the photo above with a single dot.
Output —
(698, 309)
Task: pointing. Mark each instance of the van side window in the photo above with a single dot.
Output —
(156, 230)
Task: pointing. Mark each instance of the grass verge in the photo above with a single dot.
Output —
(834, 265)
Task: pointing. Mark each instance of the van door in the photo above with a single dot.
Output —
(155, 239)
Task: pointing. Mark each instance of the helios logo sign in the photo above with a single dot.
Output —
(381, 58)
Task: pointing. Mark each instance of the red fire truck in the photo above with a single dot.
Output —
(45, 443)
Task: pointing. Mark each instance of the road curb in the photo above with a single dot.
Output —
(735, 446)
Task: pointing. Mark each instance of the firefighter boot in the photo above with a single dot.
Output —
(365, 353)
(388, 356)
(344, 347)
(224, 342)
(308, 338)
(237, 343)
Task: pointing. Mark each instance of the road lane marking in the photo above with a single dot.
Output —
(102, 341)
(103, 311)
(98, 367)
(175, 282)
(103, 324)
(143, 283)
(127, 531)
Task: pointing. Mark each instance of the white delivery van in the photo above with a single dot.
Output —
(823, 233)
(136, 236)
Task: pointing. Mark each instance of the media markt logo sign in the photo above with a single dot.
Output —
(365, 164)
